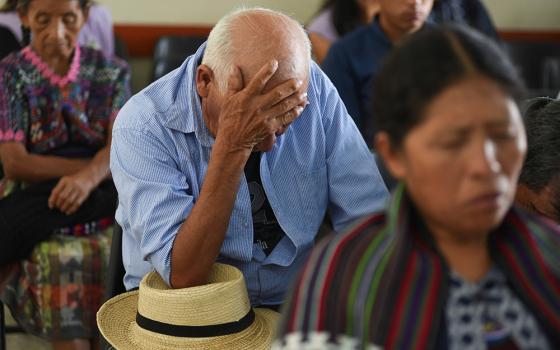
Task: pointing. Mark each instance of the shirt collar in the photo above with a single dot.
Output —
(375, 27)
(185, 112)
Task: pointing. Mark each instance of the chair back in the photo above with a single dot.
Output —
(116, 271)
(536, 62)
(171, 51)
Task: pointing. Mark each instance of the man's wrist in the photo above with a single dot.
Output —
(229, 153)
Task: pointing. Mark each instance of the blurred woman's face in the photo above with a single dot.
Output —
(54, 25)
(462, 162)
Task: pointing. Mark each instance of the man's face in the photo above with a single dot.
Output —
(216, 99)
(406, 15)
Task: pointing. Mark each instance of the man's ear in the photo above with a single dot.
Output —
(391, 155)
(204, 78)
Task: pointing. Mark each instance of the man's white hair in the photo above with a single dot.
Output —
(220, 53)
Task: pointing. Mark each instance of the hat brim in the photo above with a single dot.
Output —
(117, 322)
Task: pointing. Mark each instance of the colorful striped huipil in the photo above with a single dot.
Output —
(383, 283)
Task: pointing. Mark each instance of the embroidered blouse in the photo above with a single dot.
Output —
(48, 112)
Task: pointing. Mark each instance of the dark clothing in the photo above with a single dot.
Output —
(9, 42)
(352, 64)
(26, 219)
(266, 230)
(469, 12)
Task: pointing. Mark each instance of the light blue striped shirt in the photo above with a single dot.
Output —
(159, 156)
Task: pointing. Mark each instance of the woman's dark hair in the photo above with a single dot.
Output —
(24, 4)
(428, 62)
(541, 116)
(346, 15)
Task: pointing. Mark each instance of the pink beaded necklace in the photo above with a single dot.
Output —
(48, 73)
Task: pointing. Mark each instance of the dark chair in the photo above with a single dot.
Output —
(551, 74)
(2, 327)
(121, 50)
(535, 60)
(5, 329)
(171, 51)
(115, 273)
(9, 42)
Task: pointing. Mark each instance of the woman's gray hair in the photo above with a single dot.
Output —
(220, 53)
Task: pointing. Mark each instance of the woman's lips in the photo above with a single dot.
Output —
(487, 201)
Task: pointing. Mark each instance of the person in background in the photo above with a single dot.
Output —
(236, 157)
(9, 42)
(58, 101)
(11, 31)
(450, 264)
(335, 19)
(472, 13)
(353, 61)
(539, 184)
(96, 33)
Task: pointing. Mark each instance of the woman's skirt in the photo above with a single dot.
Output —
(56, 293)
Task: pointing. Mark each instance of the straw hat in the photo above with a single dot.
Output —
(217, 315)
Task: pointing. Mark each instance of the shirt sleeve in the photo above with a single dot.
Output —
(153, 194)
(13, 112)
(338, 68)
(356, 187)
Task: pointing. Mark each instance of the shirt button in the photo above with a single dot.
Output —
(245, 224)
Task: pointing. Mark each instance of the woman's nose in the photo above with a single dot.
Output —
(485, 162)
(57, 30)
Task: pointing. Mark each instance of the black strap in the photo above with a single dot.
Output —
(196, 331)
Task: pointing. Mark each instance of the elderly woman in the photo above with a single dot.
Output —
(57, 105)
(450, 264)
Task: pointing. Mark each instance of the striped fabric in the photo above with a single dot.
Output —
(383, 283)
(159, 156)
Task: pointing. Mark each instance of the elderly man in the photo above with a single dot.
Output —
(235, 157)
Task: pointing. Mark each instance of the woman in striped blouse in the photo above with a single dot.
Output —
(450, 264)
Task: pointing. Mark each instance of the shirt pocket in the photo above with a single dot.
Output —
(313, 193)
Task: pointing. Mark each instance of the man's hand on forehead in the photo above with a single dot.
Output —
(251, 113)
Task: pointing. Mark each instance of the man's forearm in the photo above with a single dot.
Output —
(200, 237)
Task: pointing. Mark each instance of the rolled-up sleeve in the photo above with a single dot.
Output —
(154, 195)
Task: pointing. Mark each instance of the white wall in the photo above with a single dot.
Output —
(199, 12)
(532, 15)
(508, 14)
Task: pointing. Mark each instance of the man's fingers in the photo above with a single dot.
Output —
(285, 119)
(257, 84)
(281, 92)
(235, 80)
(287, 105)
